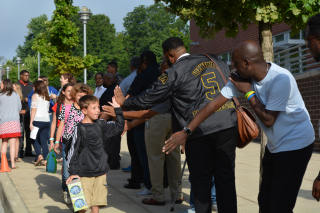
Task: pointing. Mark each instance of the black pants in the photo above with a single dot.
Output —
(213, 154)
(136, 167)
(21, 139)
(112, 148)
(281, 179)
(26, 123)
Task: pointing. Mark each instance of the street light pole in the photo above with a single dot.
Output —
(84, 14)
(38, 64)
(1, 72)
(18, 62)
(8, 69)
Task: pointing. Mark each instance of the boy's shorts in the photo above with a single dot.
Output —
(94, 190)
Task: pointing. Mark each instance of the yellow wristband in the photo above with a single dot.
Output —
(248, 94)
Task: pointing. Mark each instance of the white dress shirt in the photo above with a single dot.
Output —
(99, 91)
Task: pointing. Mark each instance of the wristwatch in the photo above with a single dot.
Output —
(187, 130)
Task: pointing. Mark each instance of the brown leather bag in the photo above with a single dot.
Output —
(248, 130)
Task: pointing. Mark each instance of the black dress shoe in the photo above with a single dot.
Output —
(132, 185)
(29, 154)
(179, 201)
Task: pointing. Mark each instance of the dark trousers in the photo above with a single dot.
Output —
(41, 140)
(26, 122)
(213, 154)
(142, 152)
(21, 139)
(112, 148)
(281, 179)
(136, 167)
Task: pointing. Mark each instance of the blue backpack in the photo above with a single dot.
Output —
(52, 162)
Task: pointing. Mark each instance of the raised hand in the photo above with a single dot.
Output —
(316, 189)
(178, 138)
(109, 110)
(119, 96)
(114, 102)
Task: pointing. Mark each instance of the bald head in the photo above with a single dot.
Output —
(109, 79)
(248, 50)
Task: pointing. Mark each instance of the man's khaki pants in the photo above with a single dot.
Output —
(157, 130)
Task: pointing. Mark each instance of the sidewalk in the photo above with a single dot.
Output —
(41, 191)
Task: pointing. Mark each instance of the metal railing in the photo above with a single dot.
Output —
(296, 59)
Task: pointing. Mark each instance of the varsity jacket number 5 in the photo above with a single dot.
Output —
(190, 84)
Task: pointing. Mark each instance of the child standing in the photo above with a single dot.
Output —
(66, 127)
(88, 162)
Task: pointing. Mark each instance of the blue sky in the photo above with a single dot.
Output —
(16, 14)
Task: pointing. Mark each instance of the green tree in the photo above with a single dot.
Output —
(60, 37)
(35, 27)
(148, 27)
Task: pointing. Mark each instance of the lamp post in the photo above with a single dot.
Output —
(18, 60)
(1, 72)
(8, 69)
(84, 14)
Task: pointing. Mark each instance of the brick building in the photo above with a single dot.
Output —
(289, 51)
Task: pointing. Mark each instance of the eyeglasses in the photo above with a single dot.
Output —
(307, 40)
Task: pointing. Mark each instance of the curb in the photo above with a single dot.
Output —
(10, 197)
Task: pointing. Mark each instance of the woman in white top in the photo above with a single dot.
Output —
(40, 119)
(99, 85)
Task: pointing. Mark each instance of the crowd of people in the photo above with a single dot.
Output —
(181, 106)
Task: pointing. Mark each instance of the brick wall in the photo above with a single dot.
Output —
(221, 44)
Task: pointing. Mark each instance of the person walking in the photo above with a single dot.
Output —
(190, 83)
(273, 94)
(40, 119)
(313, 43)
(20, 141)
(10, 106)
(26, 87)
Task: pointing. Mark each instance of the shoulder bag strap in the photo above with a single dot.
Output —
(225, 81)
(83, 138)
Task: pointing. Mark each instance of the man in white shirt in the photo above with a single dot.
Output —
(125, 84)
(275, 98)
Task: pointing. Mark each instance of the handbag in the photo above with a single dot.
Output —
(248, 129)
(51, 162)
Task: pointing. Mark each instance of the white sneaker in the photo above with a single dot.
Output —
(66, 197)
(144, 192)
(214, 208)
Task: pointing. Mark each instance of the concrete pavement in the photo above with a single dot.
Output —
(41, 191)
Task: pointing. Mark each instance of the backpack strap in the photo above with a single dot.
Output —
(58, 112)
(83, 135)
(101, 123)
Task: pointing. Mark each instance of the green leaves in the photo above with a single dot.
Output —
(60, 37)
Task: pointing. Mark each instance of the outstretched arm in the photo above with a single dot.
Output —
(142, 114)
(179, 138)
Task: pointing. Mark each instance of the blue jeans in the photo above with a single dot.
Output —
(213, 195)
(65, 174)
(142, 152)
(41, 140)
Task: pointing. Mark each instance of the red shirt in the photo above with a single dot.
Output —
(54, 108)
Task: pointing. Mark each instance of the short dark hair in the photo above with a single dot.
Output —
(23, 72)
(86, 100)
(44, 78)
(314, 25)
(99, 73)
(172, 43)
(113, 64)
(149, 57)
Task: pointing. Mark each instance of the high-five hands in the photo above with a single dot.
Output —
(109, 110)
(178, 138)
(114, 103)
(119, 96)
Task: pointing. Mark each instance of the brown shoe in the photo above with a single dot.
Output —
(179, 201)
(150, 201)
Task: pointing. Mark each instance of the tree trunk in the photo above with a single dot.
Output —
(266, 43)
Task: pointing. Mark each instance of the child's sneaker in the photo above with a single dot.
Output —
(144, 192)
(66, 197)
